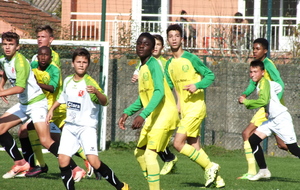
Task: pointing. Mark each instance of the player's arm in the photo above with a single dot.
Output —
(207, 74)
(167, 74)
(50, 112)
(158, 93)
(275, 76)
(250, 88)
(101, 97)
(54, 79)
(22, 68)
(263, 99)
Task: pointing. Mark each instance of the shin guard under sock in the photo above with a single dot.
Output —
(9, 144)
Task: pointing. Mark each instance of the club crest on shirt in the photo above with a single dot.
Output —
(12, 70)
(146, 76)
(73, 106)
(185, 68)
(80, 93)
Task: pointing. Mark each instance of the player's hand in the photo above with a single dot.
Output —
(4, 98)
(91, 89)
(242, 99)
(49, 116)
(191, 88)
(137, 122)
(122, 120)
(134, 78)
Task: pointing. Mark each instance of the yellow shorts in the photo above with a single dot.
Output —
(259, 117)
(155, 139)
(190, 126)
(59, 116)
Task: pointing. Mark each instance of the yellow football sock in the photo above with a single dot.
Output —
(36, 147)
(200, 157)
(250, 158)
(152, 169)
(81, 153)
(140, 157)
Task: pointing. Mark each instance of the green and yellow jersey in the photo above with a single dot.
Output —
(155, 97)
(272, 74)
(189, 69)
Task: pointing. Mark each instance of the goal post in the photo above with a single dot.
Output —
(94, 46)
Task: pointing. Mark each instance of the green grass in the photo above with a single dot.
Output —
(188, 176)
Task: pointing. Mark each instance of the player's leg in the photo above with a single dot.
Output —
(26, 145)
(8, 121)
(40, 165)
(170, 161)
(65, 171)
(139, 152)
(257, 120)
(159, 138)
(190, 130)
(88, 140)
(280, 143)
(261, 133)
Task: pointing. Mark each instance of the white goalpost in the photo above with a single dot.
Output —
(96, 45)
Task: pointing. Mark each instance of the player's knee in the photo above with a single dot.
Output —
(282, 147)
(178, 145)
(138, 152)
(254, 140)
(63, 160)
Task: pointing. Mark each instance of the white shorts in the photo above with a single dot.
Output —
(36, 111)
(282, 126)
(54, 128)
(74, 136)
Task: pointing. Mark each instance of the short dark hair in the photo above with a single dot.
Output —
(257, 63)
(238, 14)
(46, 28)
(183, 12)
(46, 48)
(81, 52)
(175, 27)
(263, 42)
(159, 37)
(149, 36)
(9, 36)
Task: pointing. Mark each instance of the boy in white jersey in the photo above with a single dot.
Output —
(32, 103)
(167, 156)
(279, 120)
(83, 98)
(186, 73)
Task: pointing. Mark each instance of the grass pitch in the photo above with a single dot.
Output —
(188, 176)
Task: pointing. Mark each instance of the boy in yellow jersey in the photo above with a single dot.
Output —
(83, 97)
(260, 49)
(167, 156)
(159, 108)
(189, 76)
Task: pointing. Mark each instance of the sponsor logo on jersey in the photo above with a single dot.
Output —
(80, 93)
(12, 70)
(73, 106)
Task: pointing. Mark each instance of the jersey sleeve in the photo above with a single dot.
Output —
(56, 59)
(91, 82)
(275, 76)
(207, 74)
(22, 71)
(263, 97)
(158, 94)
(133, 108)
(251, 87)
(167, 74)
(54, 76)
(62, 96)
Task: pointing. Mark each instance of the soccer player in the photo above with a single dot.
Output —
(32, 103)
(159, 108)
(279, 119)
(189, 76)
(167, 156)
(260, 49)
(83, 97)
